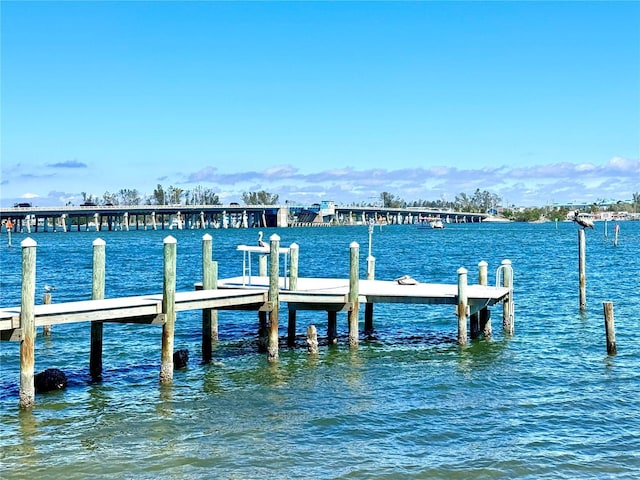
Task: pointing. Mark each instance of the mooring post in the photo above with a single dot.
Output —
(273, 296)
(97, 293)
(262, 265)
(582, 268)
(312, 339)
(294, 251)
(28, 323)
(209, 282)
(354, 310)
(507, 303)
(168, 309)
(46, 329)
(462, 306)
(610, 328)
(484, 314)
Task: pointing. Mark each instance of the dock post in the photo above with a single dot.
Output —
(484, 314)
(168, 309)
(209, 282)
(46, 329)
(293, 285)
(293, 266)
(610, 328)
(507, 304)
(273, 296)
(354, 310)
(582, 268)
(262, 265)
(462, 306)
(97, 293)
(28, 324)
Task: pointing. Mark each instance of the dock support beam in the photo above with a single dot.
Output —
(168, 309)
(28, 324)
(209, 282)
(97, 293)
(332, 327)
(354, 311)
(462, 306)
(273, 296)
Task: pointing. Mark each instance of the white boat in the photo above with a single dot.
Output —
(436, 223)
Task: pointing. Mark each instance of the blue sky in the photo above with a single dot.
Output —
(538, 102)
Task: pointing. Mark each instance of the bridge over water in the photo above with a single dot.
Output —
(125, 217)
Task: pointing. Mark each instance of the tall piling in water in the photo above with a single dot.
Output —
(462, 306)
(610, 328)
(582, 268)
(209, 282)
(168, 309)
(273, 297)
(28, 324)
(354, 310)
(97, 293)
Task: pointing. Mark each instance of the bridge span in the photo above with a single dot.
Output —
(142, 217)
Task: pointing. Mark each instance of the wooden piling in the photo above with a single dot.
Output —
(209, 282)
(332, 327)
(354, 310)
(293, 266)
(97, 293)
(610, 328)
(312, 339)
(46, 329)
(28, 324)
(368, 318)
(462, 306)
(507, 304)
(485, 313)
(168, 309)
(582, 268)
(273, 296)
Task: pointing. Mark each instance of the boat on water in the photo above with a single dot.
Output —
(436, 223)
(495, 219)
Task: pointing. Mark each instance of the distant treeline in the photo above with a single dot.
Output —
(481, 201)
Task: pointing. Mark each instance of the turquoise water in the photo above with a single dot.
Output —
(408, 403)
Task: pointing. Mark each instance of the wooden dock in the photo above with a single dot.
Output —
(262, 293)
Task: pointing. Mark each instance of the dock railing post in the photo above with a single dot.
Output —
(209, 282)
(168, 309)
(462, 306)
(97, 293)
(28, 324)
(354, 310)
(610, 328)
(273, 296)
(507, 304)
(484, 314)
(582, 268)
